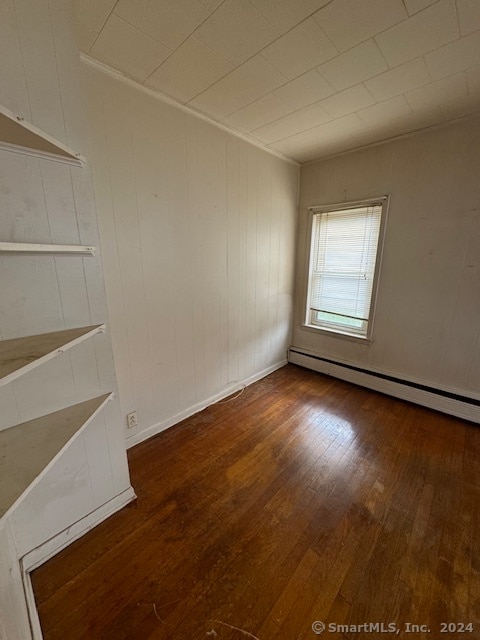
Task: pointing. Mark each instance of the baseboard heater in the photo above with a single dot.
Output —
(447, 401)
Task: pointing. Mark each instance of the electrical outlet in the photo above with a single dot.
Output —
(132, 420)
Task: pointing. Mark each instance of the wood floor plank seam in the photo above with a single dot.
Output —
(305, 498)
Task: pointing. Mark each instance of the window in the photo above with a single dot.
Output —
(344, 263)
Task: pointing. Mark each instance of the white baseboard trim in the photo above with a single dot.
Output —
(186, 413)
(406, 389)
(51, 547)
(48, 549)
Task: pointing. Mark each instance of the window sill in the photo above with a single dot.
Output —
(338, 334)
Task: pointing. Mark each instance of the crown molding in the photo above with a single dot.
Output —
(163, 97)
(401, 136)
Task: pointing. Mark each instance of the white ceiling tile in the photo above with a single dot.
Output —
(124, 47)
(348, 22)
(318, 147)
(350, 125)
(236, 30)
(454, 102)
(354, 66)
(414, 6)
(473, 81)
(85, 36)
(457, 56)
(290, 145)
(389, 111)
(168, 21)
(459, 109)
(409, 121)
(301, 49)
(285, 14)
(292, 90)
(441, 92)
(346, 128)
(303, 140)
(296, 122)
(403, 78)
(348, 101)
(258, 113)
(428, 118)
(304, 90)
(423, 32)
(468, 16)
(306, 155)
(93, 13)
(369, 136)
(322, 150)
(385, 131)
(387, 128)
(244, 85)
(211, 5)
(191, 69)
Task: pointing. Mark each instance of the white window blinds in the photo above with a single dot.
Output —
(342, 266)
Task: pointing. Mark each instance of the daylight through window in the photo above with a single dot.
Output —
(343, 266)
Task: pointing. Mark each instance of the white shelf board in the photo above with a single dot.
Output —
(20, 136)
(36, 247)
(20, 355)
(28, 450)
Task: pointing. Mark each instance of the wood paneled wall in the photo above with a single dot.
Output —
(427, 322)
(197, 232)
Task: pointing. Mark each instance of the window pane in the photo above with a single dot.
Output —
(338, 293)
(342, 266)
(353, 323)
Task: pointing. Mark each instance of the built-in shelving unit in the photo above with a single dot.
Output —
(29, 449)
(36, 247)
(20, 355)
(20, 136)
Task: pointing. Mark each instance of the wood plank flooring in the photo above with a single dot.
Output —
(305, 499)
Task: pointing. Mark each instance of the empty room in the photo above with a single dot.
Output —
(239, 319)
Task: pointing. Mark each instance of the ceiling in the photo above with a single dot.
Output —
(306, 78)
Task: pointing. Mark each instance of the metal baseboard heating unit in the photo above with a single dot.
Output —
(450, 401)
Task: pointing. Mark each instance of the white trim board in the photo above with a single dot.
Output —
(20, 136)
(48, 549)
(372, 380)
(186, 413)
(60, 541)
(36, 247)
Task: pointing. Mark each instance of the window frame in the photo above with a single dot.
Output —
(337, 331)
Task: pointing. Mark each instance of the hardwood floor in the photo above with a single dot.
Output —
(305, 499)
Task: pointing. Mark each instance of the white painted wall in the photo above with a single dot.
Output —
(197, 231)
(14, 622)
(427, 323)
(42, 201)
